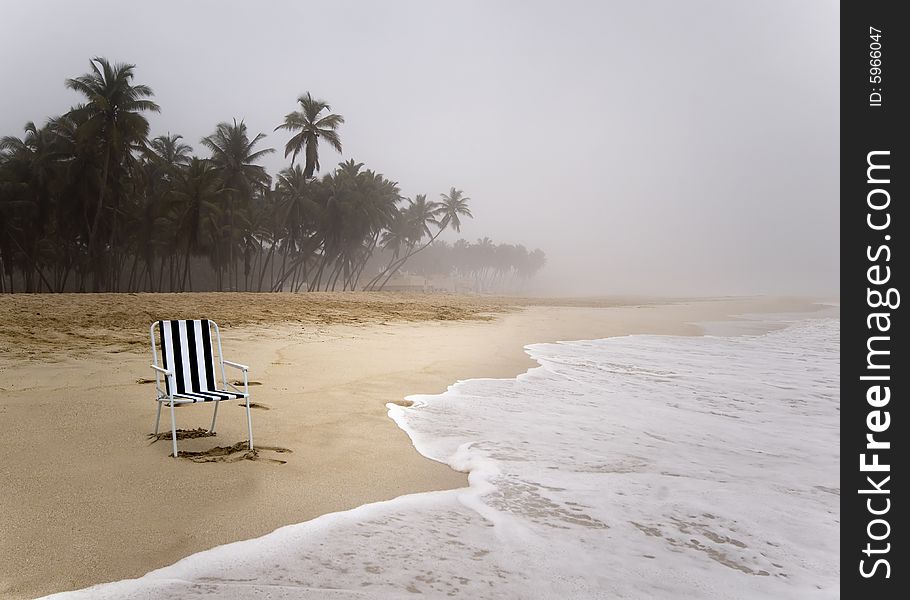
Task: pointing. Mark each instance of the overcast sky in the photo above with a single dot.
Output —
(671, 146)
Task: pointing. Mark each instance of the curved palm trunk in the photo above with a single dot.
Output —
(317, 280)
(336, 272)
(284, 274)
(303, 275)
(391, 272)
(34, 265)
(186, 267)
(355, 276)
(265, 265)
(409, 255)
(371, 284)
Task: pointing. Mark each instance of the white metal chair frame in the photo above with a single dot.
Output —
(165, 396)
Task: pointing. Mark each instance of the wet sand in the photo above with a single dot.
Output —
(87, 495)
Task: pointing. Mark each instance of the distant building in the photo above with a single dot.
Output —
(406, 282)
(412, 282)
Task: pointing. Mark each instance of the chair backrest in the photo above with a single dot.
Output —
(186, 348)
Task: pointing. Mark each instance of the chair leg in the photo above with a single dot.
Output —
(158, 418)
(173, 428)
(214, 416)
(249, 422)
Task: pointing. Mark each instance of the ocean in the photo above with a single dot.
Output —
(636, 467)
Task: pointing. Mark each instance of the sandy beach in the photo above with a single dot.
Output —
(87, 497)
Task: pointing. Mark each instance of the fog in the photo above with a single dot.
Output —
(659, 147)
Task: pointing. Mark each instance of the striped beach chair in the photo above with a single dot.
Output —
(188, 368)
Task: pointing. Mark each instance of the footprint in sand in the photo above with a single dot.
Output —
(228, 454)
(255, 405)
(237, 452)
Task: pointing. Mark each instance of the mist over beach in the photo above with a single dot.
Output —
(672, 148)
(488, 300)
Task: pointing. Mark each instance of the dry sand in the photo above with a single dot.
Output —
(87, 496)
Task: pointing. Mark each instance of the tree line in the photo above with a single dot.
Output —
(90, 202)
(482, 266)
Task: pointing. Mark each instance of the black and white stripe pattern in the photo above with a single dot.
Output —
(186, 347)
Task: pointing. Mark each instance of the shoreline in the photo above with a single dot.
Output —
(324, 389)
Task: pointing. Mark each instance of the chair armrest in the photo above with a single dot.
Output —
(236, 365)
(169, 379)
(165, 371)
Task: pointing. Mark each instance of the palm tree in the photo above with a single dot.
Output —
(195, 197)
(233, 156)
(310, 127)
(164, 157)
(168, 151)
(419, 215)
(31, 165)
(297, 207)
(77, 182)
(453, 205)
(376, 214)
(298, 213)
(361, 204)
(267, 229)
(111, 120)
(412, 225)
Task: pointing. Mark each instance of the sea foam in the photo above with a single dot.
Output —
(631, 467)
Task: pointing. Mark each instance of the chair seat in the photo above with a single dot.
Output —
(188, 397)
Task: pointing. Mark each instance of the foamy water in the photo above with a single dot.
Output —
(632, 467)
